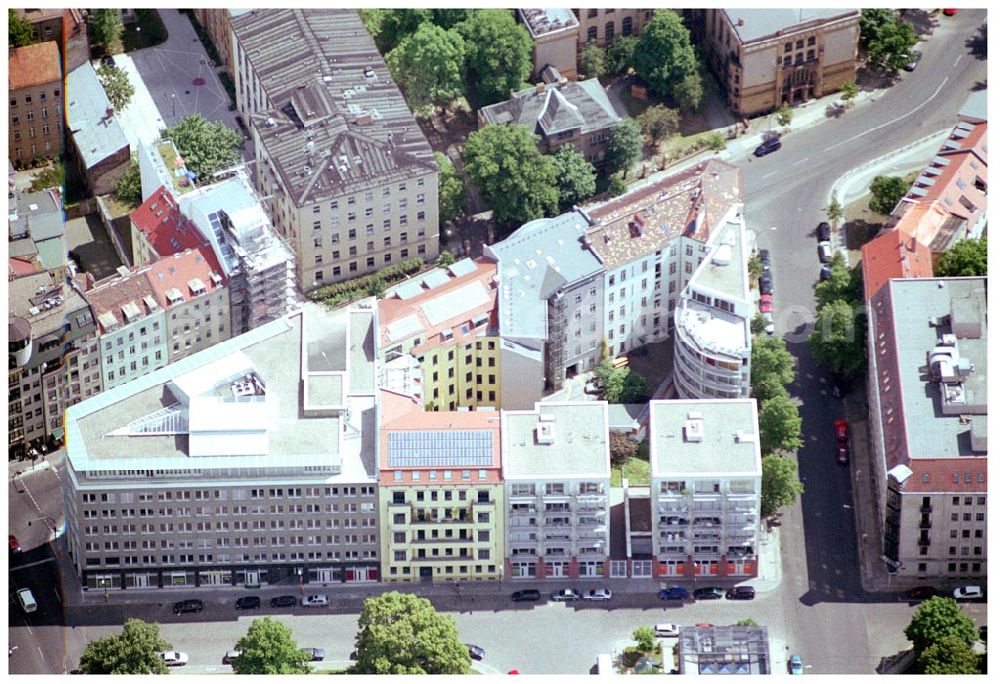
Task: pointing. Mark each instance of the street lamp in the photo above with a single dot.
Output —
(173, 104)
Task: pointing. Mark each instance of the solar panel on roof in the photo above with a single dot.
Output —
(440, 448)
(409, 290)
(455, 303)
(435, 278)
(463, 267)
(403, 328)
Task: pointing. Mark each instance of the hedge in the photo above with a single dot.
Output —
(360, 287)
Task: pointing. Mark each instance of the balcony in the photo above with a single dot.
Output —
(925, 524)
(927, 509)
(441, 559)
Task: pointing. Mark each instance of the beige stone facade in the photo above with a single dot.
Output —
(34, 81)
(603, 26)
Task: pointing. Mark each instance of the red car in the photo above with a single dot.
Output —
(841, 430)
(842, 452)
(15, 546)
(949, 12)
(766, 305)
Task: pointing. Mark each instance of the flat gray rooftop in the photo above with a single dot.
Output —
(719, 451)
(724, 270)
(579, 445)
(764, 23)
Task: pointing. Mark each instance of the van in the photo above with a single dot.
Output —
(824, 251)
(26, 600)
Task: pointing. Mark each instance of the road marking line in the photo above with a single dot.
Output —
(29, 628)
(801, 161)
(889, 123)
(768, 175)
(40, 651)
(957, 60)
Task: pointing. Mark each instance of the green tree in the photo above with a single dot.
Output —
(448, 17)
(206, 146)
(619, 56)
(838, 342)
(843, 284)
(624, 146)
(622, 448)
(117, 86)
(848, 92)
(784, 116)
(389, 27)
(747, 622)
(445, 259)
(757, 325)
(780, 425)
(429, 64)
(498, 53)
(949, 656)
(645, 638)
(889, 44)
(403, 634)
(575, 176)
(886, 193)
(664, 56)
(659, 123)
(834, 211)
(136, 650)
(104, 27)
(514, 179)
(451, 190)
(128, 188)
(937, 618)
(872, 23)
(51, 177)
(591, 60)
(754, 267)
(18, 30)
(268, 648)
(770, 359)
(690, 93)
(617, 185)
(779, 484)
(965, 258)
(635, 389)
(714, 141)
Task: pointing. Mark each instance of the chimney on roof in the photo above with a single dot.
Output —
(740, 22)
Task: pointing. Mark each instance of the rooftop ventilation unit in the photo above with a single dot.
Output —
(545, 433)
(694, 430)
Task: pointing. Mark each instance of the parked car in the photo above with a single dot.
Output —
(593, 387)
(741, 593)
(230, 656)
(108, 61)
(708, 593)
(15, 545)
(841, 430)
(765, 284)
(284, 601)
(704, 624)
(767, 147)
(526, 595)
(597, 595)
(766, 303)
(915, 56)
(248, 603)
(824, 251)
(822, 231)
(921, 593)
(968, 593)
(795, 665)
(476, 652)
(825, 273)
(666, 629)
(768, 322)
(765, 259)
(315, 654)
(315, 601)
(189, 606)
(673, 594)
(949, 12)
(565, 595)
(174, 658)
(843, 452)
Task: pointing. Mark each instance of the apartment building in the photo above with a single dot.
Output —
(446, 320)
(98, 145)
(37, 242)
(441, 500)
(215, 21)
(252, 462)
(52, 359)
(553, 32)
(34, 89)
(560, 113)
(605, 25)
(550, 306)
(767, 58)
(67, 27)
(705, 486)
(927, 399)
(351, 180)
(557, 477)
(159, 229)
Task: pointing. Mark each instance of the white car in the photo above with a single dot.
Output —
(597, 595)
(966, 593)
(315, 601)
(565, 595)
(231, 655)
(768, 323)
(666, 629)
(174, 658)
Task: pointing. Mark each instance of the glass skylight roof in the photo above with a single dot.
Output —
(440, 448)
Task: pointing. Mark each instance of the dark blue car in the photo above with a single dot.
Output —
(674, 594)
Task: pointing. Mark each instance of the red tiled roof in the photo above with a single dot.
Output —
(946, 475)
(160, 221)
(893, 255)
(113, 293)
(177, 270)
(34, 65)
(19, 267)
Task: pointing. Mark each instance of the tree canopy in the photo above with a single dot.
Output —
(838, 341)
(619, 56)
(834, 211)
(451, 190)
(104, 28)
(497, 53)
(268, 648)
(575, 176)
(206, 146)
(645, 638)
(389, 27)
(949, 656)
(664, 56)
(779, 484)
(965, 258)
(690, 93)
(780, 425)
(659, 122)
(937, 618)
(872, 22)
(117, 86)
(844, 284)
(136, 650)
(18, 30)
(886, 193)
(591, 61)
(624, 146)
(514, 179)
(771, 367)
(403, 634)
(429, 65)
(622, 448)
(128, 188)
(887, 40)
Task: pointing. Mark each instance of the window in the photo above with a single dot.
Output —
(609, 31)
(592, 31)
(627, 26)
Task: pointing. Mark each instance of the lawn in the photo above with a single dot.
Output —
(635, 470)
